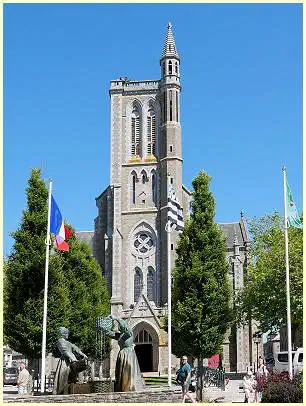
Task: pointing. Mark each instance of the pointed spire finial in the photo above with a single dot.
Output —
(169, 45)
(242, 214)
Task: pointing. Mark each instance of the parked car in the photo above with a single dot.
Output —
(270, 362)
(281, 361)
(10, 376)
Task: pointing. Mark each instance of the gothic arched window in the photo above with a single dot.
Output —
(170, 105)
(137, 284)
(154, 188)
(144, 176)
(151, 284)
(164, 69)
(135, 131)
(143, 337)
(176, 67)
(170, 67)
(134, 189)
(151, 133)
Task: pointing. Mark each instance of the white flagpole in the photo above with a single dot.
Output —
(287, 280)
(168, 229)
(43, 351)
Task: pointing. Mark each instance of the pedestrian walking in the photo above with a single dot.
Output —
(261, 373)
(23, 379)
(185, 374)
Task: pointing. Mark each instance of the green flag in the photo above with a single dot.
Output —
(293, 218)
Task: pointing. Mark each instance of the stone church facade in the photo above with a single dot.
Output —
(130, 241)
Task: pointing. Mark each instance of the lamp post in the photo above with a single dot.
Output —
(256, 338)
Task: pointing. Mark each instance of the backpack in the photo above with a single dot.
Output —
(180, 376)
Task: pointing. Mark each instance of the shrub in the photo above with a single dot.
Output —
(282, 392)
(299, 380)
(279, 388)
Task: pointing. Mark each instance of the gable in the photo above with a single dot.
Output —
(143, 309)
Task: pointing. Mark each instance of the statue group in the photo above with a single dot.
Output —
(73, 361)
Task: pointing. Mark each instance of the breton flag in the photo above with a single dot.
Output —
(293, 218)
(58, 228)
(175, 211)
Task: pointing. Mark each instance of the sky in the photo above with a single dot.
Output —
(241, 100)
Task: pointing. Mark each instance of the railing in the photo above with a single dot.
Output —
(36, 383)
(135, 83)
(146, 83)
(213, 377)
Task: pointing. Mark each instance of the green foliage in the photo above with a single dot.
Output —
(266, 274)
(87, 293)
(279, 388)
(24, 271)
(201, 311)
(299, 380)
(77, 291)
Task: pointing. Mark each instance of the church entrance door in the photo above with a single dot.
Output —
(144, 354)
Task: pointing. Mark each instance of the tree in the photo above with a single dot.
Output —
(76, 293)
(87, 292)
(201, 312)
(24, 271)
(264, 294)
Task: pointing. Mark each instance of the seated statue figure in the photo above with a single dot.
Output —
(127, 374)
(72, 361)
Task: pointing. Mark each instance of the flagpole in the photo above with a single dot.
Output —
(287, 279)
(43, 351)
(168, 229)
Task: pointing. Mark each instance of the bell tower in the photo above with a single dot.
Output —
(170, 157)
(170, 89)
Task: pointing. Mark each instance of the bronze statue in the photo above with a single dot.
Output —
(128, 375)
(72, 361)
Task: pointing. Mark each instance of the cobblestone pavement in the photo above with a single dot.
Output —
(235, 395)
(9, 392)
(232, 393)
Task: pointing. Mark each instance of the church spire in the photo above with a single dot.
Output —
(169, 45)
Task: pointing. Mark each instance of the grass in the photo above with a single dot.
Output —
(158, 380)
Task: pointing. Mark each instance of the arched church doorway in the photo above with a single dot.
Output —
(144, 354)
(144, 350)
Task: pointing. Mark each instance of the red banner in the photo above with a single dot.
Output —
(213, 361)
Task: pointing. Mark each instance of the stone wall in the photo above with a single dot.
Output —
(151, 395)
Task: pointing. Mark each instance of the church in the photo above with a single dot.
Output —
(129, 240)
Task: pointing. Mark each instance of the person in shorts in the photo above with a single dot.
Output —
(185, 374)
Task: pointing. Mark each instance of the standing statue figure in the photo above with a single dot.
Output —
(128, 375)
(69, 365)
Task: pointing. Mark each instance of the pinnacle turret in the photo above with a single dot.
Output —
(169, 45)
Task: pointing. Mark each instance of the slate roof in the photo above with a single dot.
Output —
(237, 230)
(85, 236)
(169, 45)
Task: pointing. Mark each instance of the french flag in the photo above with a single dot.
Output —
(58, 228)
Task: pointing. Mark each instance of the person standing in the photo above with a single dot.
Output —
(185, 374)
(262, 368)
(261, 374)
(23, 379)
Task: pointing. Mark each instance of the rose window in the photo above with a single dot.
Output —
(143, 243)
